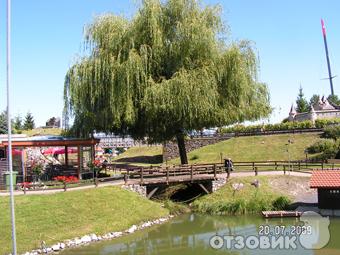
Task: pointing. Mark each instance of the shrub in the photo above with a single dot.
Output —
(321, 146)
(194, 157)
(281, 203)
(331, 132)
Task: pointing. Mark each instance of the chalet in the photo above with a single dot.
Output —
(327, 182)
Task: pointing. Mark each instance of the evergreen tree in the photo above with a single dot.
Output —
(3, 122)
(314, 100)
(162, 74)
(301, 102)
(29, 122)
(334, 99)
(17, 123)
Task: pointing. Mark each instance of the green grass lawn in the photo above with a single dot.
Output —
(141, 156)
(42, 131)
(246, 200)
(56, 217)
(254, 148)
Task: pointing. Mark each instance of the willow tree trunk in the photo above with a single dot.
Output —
(181, 148)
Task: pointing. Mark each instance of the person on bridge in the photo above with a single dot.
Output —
(228, 165)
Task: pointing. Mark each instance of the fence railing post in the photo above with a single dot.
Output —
(322, 165)
(215, 174)
(253, 166)
(191, 173)
(284, 169)
(299, 165)
(65, 186)
(256, 173)
(125, 178)
(167, 175)
(141, 175)
(275, 165)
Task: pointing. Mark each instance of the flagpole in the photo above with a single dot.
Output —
(9, 128)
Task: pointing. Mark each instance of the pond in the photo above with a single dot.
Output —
(191, 234)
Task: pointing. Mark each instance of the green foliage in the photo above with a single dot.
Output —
(194, 157)
(332, 132)
(17, 123)
(321, 146)
(163, 72)
(248, 200)
(334, 99)
(176, 208)
(281, 203)
(268, 127)
(301, 102)
(314, 100)
(29, 122)
(3, 122)
(322, 123)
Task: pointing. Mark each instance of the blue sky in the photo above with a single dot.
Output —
(47, 36)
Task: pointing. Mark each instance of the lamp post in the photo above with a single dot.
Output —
(9, 127)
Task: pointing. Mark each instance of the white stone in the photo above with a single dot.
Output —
(94, 237)
(49, 249)
(117, 234)
(77, 241)
(55, 247)
(86, 239)
(62, 246)
(132, 229)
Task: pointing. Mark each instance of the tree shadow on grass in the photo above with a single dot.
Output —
(157, 159)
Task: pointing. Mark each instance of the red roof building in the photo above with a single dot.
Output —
(328, 184)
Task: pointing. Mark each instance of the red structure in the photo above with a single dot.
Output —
(327, 182)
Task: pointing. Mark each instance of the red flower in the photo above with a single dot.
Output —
(66, 179)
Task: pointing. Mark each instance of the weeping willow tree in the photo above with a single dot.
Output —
(163, 73)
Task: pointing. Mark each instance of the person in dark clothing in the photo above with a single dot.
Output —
(228, 165)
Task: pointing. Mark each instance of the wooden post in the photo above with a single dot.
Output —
(275, 165)
(167, 175)
(322, 165)
(284, 169)
(299, 165)
(66, 155)
(141, 175)
(125, 179)
(228, 173)
(192, 173)
(256, 171)
(215, 174)
(253, 166)
(78, 162)
(65, 186)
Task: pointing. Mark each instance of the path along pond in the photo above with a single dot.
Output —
(191, 234)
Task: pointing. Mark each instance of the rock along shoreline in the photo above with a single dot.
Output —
(93, 238)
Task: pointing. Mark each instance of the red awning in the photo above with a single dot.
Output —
(325, 179)
(58, 151)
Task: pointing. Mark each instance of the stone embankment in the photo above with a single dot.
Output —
(170, 149)
(92, 238)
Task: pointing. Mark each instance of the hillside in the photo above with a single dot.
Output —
(57, 217)
(255, 148)
(247, 148)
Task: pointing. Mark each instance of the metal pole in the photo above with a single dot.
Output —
(327, 56)
(9, 127)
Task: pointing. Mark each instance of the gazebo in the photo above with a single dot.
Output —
(327, 182)
(52, 144)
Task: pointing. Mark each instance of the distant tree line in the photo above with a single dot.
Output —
(18, 124)
(302, 105)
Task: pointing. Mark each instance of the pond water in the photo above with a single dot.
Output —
(191, 234)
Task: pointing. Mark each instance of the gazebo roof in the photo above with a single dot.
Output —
(325, 179)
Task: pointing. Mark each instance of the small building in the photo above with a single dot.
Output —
(321, 110)
(327, 182)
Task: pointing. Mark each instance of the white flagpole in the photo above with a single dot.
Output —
(9, 127)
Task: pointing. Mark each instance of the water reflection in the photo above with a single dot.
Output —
(190, 234)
